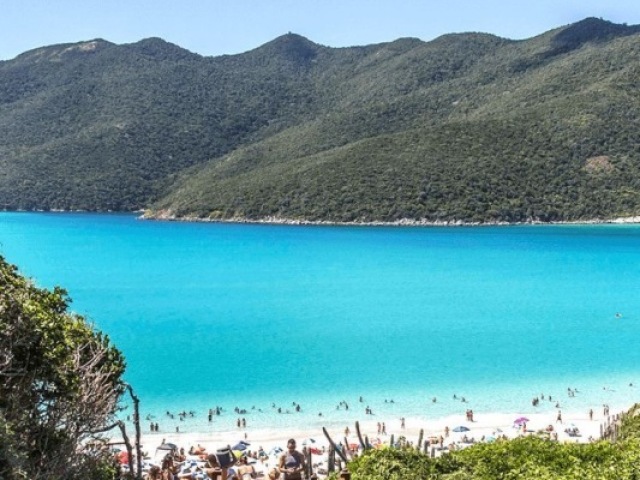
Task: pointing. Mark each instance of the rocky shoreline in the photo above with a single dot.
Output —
(404, 222)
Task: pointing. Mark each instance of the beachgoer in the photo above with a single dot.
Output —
(559, 417)
(402, 423)
(154, 473)
(246, 471)
(446, 431)
(213, 470)
(591, 414)
(274, 474)
(168, 468)
(291, 462)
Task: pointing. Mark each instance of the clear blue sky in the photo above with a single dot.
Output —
(216, 27)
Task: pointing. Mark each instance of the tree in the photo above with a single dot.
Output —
(61, 381)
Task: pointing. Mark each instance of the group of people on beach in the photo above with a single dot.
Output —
(174, 466)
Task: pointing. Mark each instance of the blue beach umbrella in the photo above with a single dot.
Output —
(460, 428)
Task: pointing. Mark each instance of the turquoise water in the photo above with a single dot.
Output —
(254, 315)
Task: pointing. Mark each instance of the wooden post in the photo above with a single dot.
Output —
(136, 420)
(308, 466)
(331, 467)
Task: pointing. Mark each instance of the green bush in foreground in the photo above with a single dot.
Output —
(519, 459)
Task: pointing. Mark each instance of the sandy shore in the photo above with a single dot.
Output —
(484, 427)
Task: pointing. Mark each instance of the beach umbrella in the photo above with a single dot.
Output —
(240, 446)
(237, 453)
(520, 420)
(460, 428)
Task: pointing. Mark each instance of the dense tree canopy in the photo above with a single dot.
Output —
(467, 127)
(61, 381)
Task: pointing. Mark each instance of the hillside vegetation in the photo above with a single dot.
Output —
(467, 127)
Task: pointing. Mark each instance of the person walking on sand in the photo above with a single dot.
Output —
(291, 462)
(559, 417)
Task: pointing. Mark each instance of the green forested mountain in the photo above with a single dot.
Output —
(467, 127)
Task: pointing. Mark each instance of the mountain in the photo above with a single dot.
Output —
(468, 127)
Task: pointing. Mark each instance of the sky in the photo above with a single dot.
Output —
(218, 27)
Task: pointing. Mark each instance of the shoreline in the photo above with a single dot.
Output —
(484, 427)
(404, 222)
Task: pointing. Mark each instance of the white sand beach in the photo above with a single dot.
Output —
(484, 427)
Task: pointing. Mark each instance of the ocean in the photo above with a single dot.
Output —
(260, 318)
